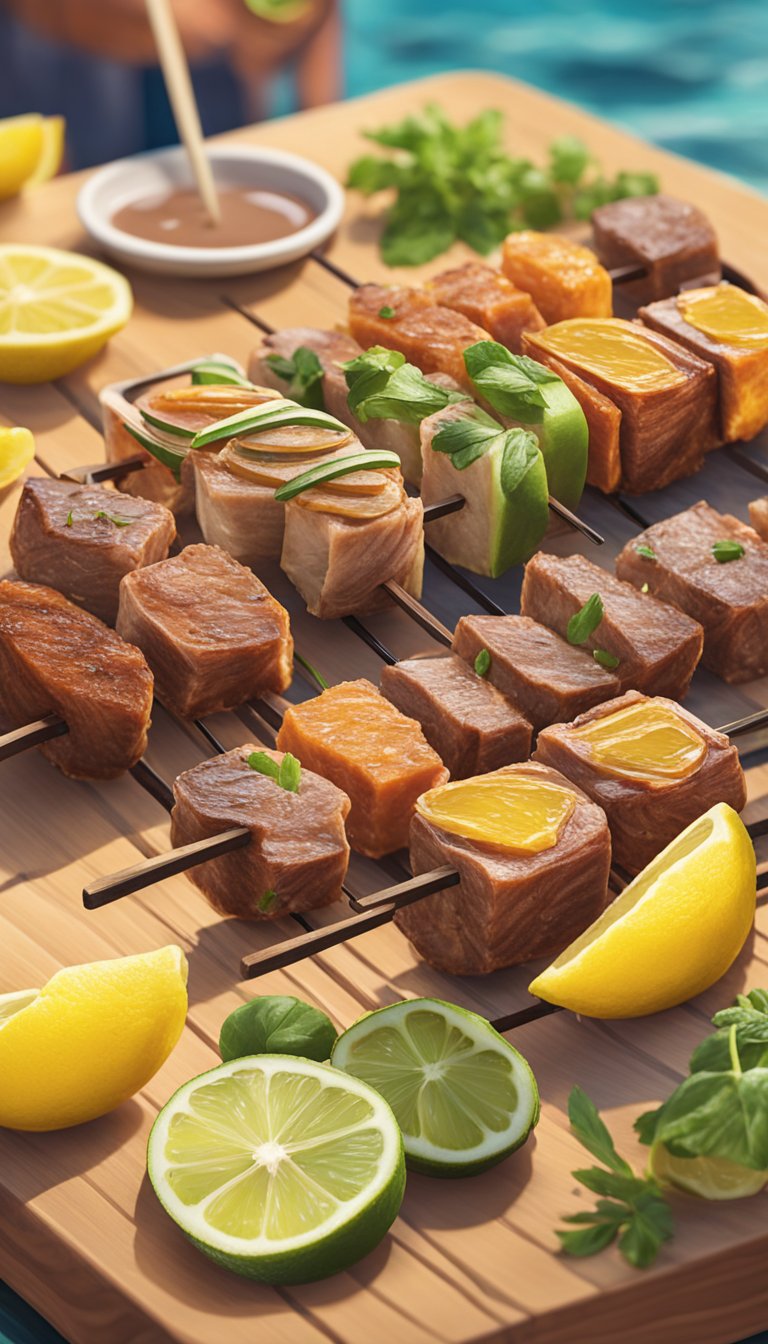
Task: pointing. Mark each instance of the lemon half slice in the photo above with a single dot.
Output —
(671, 933)
(57, 309)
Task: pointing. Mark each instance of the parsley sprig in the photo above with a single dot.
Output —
(630, 1208)
(458, 182)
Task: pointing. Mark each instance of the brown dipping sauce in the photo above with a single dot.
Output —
(248, 215)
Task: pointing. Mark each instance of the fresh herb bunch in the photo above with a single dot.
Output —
(459, 183)
(630, 1208)
(382, 386)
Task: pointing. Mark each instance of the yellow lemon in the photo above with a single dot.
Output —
(31, 149)
(17, 449)
(91, 1038)
(671, 933)
(708, 1177)
(57, 309)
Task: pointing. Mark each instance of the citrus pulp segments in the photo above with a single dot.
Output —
(279, 1168)
(57, 309)
(91, 1038)
(463, 1096)
(673, 931)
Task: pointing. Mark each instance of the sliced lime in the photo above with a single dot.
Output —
(709, 1177)
(463, 1096)
(279, 1168)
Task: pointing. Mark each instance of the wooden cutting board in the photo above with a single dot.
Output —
(81, 1234)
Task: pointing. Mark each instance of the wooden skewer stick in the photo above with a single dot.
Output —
(31, 735)
(103, 471)
(181, 94)
(413, 608)
(140, 875)
(455, 502)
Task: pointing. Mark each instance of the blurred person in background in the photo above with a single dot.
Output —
(94, 62)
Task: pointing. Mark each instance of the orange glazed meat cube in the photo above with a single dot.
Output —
(381, 759)
(488, 298)
(563, 278)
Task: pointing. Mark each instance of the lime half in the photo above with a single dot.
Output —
(709, 1177)
(463, 1096)
(279, 1168)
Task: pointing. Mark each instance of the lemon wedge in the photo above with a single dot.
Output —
(31, 149)
(17, 449)
(89, 1039)
(671, 933)
(57, 309)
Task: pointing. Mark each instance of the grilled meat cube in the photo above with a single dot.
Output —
(353, 736)
(547, 678)
(241, 516)
(758, 516)
(729, 600)
(472, 726)
(56, 658)
(429, 336)
(657, 646)
(665, 395)
(673, 240)
(82, 539)
(339, 562)
(488, 299)
(563, 278)
(509, 908)
(736, 343)
(296, 858)
(212, 633)
(663, 768)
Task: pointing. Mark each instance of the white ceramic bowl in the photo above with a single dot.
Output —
(118, 184)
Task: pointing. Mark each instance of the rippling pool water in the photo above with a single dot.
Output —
(690, 75)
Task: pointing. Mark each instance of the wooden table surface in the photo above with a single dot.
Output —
(82, 1236)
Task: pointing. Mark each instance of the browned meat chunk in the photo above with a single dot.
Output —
(82, 539)
(212, 633)
(741, 360)
(673, 240)
(489, 300)
(429, 336)
(651, 766)
(666, 396)
(729, 599)
(509, 908)
(758, 516)
(56, 658)
(297, 856)
(241, 516)
(381, 759)
(472, 726)
(657, 646)
(545, 676)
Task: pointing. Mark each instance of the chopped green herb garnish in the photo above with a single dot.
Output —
(458, 182)
(286, 773)
(645, 588)
(331, 471)
(647, 552)
(303, 373)
(382, 386)
(605, 659)
(220, 372)
(482, 663)
(266, 901)
(586, 620)
(115, 518)
(630, 1207)
(386, 311)
(69, 519)
(510, 383)
(724, 551)
(313, 672)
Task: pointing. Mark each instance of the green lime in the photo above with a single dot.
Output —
(463, 1096)
(709, 1177)
(281, 1169)
(276, 1025)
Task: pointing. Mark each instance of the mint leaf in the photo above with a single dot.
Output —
(467, 439)
(383, 387)
(264, 764)
(482, 663)
(303, 373)
(521, 453)
(645, 1125)
(509, 382)
(723, 1114)
(585, 621)
(725, 551)
(647, 552)
(592, 1133)
(276, 1025)
(591, 1238)
(749, 1019)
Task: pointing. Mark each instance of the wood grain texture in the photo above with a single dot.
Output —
(81, 1234)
